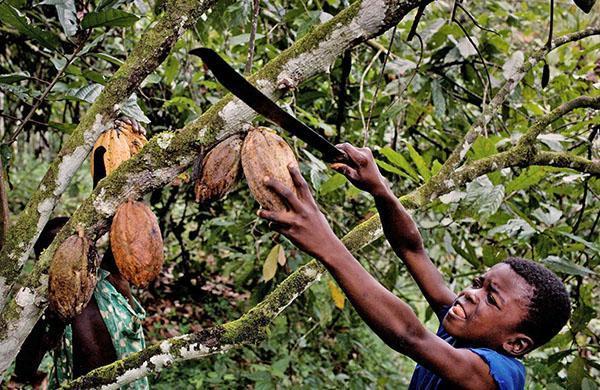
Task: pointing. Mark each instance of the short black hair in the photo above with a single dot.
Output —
(549, 306)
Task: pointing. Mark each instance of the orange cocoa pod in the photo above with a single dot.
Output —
(72, 276)
(264, 153)
(220, 171)
(134, 135)
(136, 243)
(110, 150)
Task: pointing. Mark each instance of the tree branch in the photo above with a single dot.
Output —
(579, 102)
(567, 160)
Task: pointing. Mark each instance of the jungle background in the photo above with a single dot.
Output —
(222, 260)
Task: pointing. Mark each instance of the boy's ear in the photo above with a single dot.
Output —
(518, 344)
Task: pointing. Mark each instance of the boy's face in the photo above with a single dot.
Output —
(489, 312)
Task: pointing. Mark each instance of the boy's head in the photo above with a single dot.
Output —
(516, 306)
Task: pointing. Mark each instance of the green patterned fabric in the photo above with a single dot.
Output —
(124, 324)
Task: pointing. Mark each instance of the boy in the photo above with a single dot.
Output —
(514, 307)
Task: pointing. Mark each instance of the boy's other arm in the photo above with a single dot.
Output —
(398, 226)
(391, 318)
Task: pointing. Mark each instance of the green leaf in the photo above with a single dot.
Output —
(12, 17)
(10, 78)
(527, 178)
(575, 373)
(484, 147)
(88, 93)
(419, 162)
(590, 245)
(332, 184)
(183, 104)
(109, 58)
(67, 15)
(399, 160)
(108, 17)
(557, 264)
(493, 255)
(392, 169)
(243, 39)
(131, 109)
(17, 90)
(437, 99)
(482, 198)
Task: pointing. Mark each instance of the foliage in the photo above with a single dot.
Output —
(222, 260)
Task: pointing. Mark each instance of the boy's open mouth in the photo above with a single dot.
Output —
(457, 311)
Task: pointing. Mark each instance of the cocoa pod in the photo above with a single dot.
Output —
(136, 243)
(134, 135)
(264, 153)
(110, 150)
(220, 171)
(72, 277)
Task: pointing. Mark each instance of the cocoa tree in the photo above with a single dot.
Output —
(170, 153)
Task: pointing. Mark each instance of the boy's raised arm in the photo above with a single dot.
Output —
(389, 317)
(399, 228)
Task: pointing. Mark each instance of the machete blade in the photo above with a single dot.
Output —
(261, 103)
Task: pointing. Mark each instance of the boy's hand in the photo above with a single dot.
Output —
(363, 172)
(303, 223)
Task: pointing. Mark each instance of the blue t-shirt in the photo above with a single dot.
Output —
(507, 372)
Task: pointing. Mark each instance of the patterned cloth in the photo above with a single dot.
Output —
(124, 324)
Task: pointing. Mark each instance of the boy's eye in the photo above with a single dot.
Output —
(476, 283)
(491, 299)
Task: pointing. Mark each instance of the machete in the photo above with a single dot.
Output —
(260, 103)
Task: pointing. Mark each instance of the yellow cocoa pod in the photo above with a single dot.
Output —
(110, 150)
(136, 243)
(220, 171)
(264, 153)
(72, 277)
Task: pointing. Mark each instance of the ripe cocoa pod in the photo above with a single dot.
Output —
(72, 277)
(220, 171)
(110, 150)
(264, 153)
(136, 243)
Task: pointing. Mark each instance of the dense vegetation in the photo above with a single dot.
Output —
(412, 106)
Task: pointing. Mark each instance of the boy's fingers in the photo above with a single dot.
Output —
(345, 170)
(285, 193)
(299, 181)
(275, 217)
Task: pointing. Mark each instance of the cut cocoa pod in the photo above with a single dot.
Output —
(136, 243)
(110, 150)
(264, 153)
(72, 277)
(220, 171)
